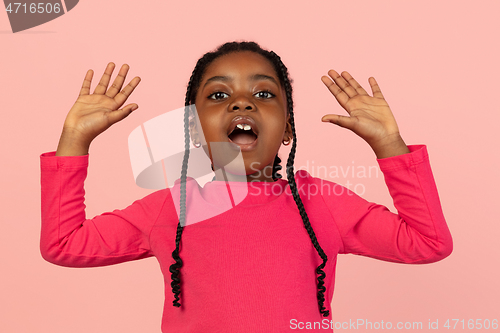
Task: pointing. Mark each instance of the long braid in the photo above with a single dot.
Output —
(192, 89)
(175, 268)
(276, 168)
(298, 200)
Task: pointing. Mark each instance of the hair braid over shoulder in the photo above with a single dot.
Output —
(296, 196)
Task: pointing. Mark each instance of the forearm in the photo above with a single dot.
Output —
(418, 233)
(69, 239)
(411, 184)
(63, 209)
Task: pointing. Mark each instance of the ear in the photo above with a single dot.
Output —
(288, 135)
(193, 131)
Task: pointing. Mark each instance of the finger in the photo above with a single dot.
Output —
(339, 94)
(118, 83)
(125, 93)
(375, 88)
(354, 83)
(103, 84)
(86, 83)
(117, 115)
(342, 121)
(342, 83)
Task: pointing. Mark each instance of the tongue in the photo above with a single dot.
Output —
(243, 138)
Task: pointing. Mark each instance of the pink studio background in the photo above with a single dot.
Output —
(436, 63)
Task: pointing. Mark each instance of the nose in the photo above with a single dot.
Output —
(242, 103)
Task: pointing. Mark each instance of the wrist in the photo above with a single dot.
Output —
(390, 146)
(72, 143)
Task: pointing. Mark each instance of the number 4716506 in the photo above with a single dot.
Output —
(472, 324)
(34, 8)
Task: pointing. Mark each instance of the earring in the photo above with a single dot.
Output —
(287, 142)
(197, 144)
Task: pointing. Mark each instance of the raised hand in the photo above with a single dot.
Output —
(369, 117)
(93, 113)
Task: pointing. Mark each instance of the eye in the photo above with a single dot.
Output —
(218, 95)
(264, 94)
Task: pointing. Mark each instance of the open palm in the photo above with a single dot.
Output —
(369, 117)
(94, 113)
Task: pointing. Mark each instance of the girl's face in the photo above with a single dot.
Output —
(240, 89)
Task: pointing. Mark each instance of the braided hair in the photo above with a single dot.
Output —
(192, 89)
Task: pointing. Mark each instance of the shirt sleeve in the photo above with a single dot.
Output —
(69, 239)
(417, 234)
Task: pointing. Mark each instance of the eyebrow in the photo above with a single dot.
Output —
(255, 77)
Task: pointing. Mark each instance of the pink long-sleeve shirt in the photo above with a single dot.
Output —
(250, 268)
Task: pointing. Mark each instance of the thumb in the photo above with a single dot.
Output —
(342, 121)
(117, 115)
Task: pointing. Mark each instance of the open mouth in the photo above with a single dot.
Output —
(243, 134)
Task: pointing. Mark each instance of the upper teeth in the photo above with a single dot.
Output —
(244, 127)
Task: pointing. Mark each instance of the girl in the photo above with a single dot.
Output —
(268, 264)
